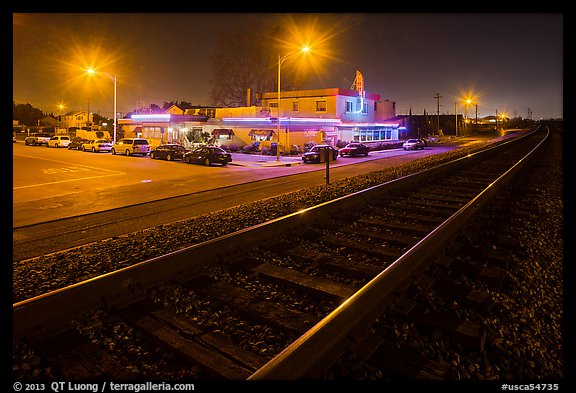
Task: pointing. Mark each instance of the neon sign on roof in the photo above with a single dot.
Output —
(282, 120)
(393, 125)
(152, 117)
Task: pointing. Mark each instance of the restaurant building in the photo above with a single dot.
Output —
(329, 115)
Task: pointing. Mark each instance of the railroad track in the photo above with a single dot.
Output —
(290, 298)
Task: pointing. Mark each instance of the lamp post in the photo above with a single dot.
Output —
(280, 62)
(113, 78)
(456, 116)
(468, 102)
(60, 108)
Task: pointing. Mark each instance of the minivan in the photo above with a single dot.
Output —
(130, 146)
(59, 141)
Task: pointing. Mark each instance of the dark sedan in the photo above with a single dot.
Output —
(208, 155)
(318, 154)
(77, 143)
(169, 152)
(354, 149)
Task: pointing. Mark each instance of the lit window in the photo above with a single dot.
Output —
(320, 106)
(349, 106)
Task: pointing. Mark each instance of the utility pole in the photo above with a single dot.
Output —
(476, 120)
(456, 117)
(437, 97)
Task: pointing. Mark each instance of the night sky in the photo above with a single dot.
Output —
(506, 62)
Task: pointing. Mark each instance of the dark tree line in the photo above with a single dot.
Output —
(27, 114)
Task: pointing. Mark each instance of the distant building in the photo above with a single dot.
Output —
(76, 119)
(430, 124)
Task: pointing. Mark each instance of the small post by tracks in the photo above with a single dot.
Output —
(327, 153)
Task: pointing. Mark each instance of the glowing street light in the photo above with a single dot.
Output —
(467, 102)
(113, 78)
(280, 61)
(60, 109)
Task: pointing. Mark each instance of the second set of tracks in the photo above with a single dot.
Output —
(287, 298)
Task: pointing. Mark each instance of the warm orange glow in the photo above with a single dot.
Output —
(309, 33)
(469, 97)
(86, 56)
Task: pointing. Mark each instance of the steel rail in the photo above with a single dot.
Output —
(319, 347)
(46, 313)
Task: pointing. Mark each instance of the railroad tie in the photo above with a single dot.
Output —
(409, 364)
(386, 236)
(269, 312)
(468, 297)
(373, 249)
(74, 357)
(208, 350)
(323, 259)
(466, 333)
(318, 285)
(493, 276)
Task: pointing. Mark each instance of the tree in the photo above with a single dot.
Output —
(246, 58)
(99, 119)
(26, 114)
(179, 104)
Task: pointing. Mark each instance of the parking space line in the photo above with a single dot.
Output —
(67, 181)
(68, 163)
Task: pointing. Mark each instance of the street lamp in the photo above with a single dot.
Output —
(280, 61)
(466, 103)
(456, 117)
(113, 78)
(60, 108)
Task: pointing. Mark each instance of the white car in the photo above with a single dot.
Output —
(130, 146)
(97, 145)
(59, 141)
(413, 144)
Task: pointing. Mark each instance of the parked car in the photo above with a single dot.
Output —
(169, 152)
(413, 144)
(208, 155)
(39, 138)
(59, 141)
(317, 154)
(97, 145)
(354, 149)
(131, 146)
(76, 143)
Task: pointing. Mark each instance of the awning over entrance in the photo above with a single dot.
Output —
(222, 131)
(266, 133)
